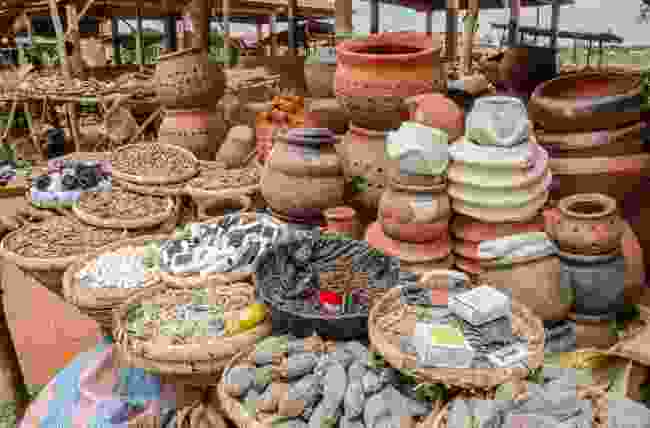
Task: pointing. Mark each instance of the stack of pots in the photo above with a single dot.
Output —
(590, 124)
(414, 212)
(188, 86)
(589, 235)
(498, 183)
(374, 77)
(303, 176)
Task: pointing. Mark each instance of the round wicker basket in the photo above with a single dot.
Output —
(524, 323)
(155, 179)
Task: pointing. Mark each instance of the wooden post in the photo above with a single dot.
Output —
(374, 16)
(451, 40)
(199, 16)
(225, 12)
(115, 32)
(513, 24)
(468, 34)
(343, 16)
(429, 22)
(139, 48)
(170, 34)
(555, 23)
(291, 21)
(274, 36)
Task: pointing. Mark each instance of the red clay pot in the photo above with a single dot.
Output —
(438, 111)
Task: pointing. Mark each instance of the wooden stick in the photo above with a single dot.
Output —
(32, 131)
(146, 123)
(87, 6)
(468, 36)
(10, 122)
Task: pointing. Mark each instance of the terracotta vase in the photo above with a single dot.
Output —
(587, 224)
(438, 111)
(363, 154)
(343, 220)
(376, 74)
(186, 79)
(195, 130)
(584, 102)
(414, 213)
(303, 173)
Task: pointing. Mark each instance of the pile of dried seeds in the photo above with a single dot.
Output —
(152, 160)
(214, 179)
(122, 204)
(59, 237)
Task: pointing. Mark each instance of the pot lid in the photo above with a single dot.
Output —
(420, 149)
(498, 121)
(311, 136)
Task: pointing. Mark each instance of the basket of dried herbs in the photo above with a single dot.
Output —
(414, 328)
(45, 249)
(100, 281)
(313, 383)
(188, 334)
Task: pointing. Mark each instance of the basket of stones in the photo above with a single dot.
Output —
(100, 281)
(223, 250)
(121, 209)
(325, 283)
(44, 250)
(450, 330)
(552, 402)
(153, 163)
(188, 335)
(312, 383)
(220, 184)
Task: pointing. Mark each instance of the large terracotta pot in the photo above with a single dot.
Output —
(414, 213)
(198, 131)
(363, 154)
(186, 79)
(438, 111)
(584, 102)
(588, 224)
(524, 67)
(468, 229)
(374, 75)
(303, 174)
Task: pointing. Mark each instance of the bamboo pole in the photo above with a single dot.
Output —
(274, 36)
(10, 121)
(146, 123)
(225, 12)
(139, 48)
(471, 19)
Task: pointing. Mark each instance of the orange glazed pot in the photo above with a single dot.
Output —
(376, 74)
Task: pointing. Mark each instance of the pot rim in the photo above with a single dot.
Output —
(541, 92)
(608, 204)
(354, 129)
(340, 213)
(346, 51)
(179, 53)
(590, 259)
(435, 188)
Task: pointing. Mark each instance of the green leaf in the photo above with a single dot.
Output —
(376, 252)
(280, 421)
(505, 392)
(423, 313)
(359, 184)
(263, 375)
(376, 360)
(250, 408)
(328, 422)
(536, 375)
(152, 255)
(431, 392)
(200, 296)
(567, 295)
(407, 376)
(644, 391)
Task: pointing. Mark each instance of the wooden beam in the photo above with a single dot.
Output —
(198, 14)
(374, 16)
(291, 18)
(451, 41)
(468, 34)
(75, 68)
(139, 48)
(274, 36)
(225, 12)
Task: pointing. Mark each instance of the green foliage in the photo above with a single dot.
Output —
(359, 184)
(630, 312)
(431, 392)
(376, 360)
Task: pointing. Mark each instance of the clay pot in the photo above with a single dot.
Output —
(487, 214)
(505, 117)
(186, 79)
(414, 213)
(319, 73)
(375, 74)
(593, 333)
(587, 224)
(584, 102)
(343, 220)
(603, 143)
(469, 229)
(326, 113)
(437, 111)
(265, 138)
(598, 282)
(195, 130)
(363, 154)
(236, 149)
(303, 173)
(524, 67)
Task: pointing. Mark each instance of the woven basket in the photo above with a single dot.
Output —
(49, 272)
(597, 398)
(194, 279)
(154, 219)
(524, 323)
(194, 363)
(98, 303)
(234, 410)
(153, 179)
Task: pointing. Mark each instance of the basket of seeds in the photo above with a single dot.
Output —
(311, 383)
(44, 250)
(153, 164)
(188, 334)
(100, 281)
(427, 327)
(224, 249)
(121, 209)
(325, 283)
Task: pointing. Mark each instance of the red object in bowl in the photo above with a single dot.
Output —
(329, 297)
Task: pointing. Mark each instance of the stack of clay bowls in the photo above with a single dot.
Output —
(414, 211)
(498, 184)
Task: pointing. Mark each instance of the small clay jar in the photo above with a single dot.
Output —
(343, 220)
(414, 213)
(588, 224)
(437, 111)
(303, 173)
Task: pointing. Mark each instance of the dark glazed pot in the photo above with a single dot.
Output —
(589, 101)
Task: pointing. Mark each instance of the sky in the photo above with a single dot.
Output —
(619, 16)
